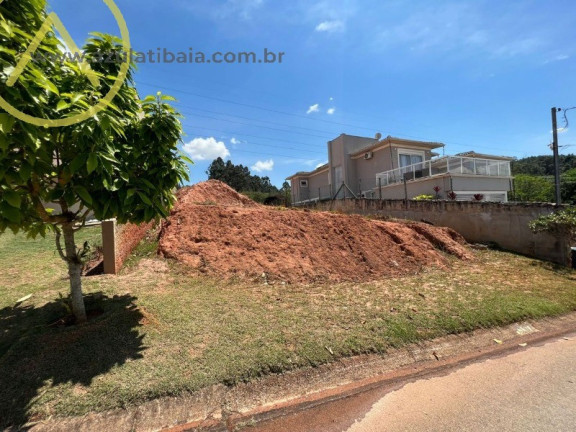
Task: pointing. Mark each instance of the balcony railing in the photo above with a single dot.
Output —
(445, 165)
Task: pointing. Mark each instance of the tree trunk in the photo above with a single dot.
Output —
(75, 272)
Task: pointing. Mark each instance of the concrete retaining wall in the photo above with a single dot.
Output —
(118, 242)
(503, 223)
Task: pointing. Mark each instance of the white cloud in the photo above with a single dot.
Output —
(560, 57)
(235, 141)
(331, 111)
(330, 26)
(465, 28)
(206, 149)
(321, 164)
(263, 166)
(244, 8)
(314, 108)
(327, 12)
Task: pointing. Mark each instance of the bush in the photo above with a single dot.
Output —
(259, 197)
(423, 197)
(561, 223)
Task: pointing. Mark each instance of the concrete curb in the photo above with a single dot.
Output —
(220, 408)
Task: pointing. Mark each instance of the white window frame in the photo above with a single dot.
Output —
(408, 152)
(304, 183)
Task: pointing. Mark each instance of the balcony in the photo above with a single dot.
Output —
(445, 165)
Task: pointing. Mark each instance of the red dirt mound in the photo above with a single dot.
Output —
(213, 192)
(298, 246)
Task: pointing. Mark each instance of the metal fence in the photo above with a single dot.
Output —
(444, 165)
(313, 194)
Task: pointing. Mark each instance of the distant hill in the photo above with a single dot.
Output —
(542, 165)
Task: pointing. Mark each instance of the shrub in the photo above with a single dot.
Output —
(452, 195)
(478, 197)
(423, 197)
(561, 223)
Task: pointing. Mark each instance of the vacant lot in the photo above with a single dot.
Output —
(160, 331)
(217, 231)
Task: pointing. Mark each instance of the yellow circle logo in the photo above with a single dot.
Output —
(53, 20)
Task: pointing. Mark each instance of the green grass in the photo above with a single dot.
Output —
(30, 266)
(163, 332)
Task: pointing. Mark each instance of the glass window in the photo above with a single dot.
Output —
(410, 159)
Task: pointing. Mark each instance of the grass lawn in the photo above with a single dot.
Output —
(159, 331)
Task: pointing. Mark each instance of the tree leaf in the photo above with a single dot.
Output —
(144, 198)
(186, 159)
(25, 171)
(148, 183)
(83, 193)
(12, 198)
(45, 83)
(12, 214)
(6, 123)
(3, 142)
(62, 104)
(92, 163)
(77, 163)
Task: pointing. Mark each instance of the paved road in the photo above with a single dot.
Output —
(529, 390)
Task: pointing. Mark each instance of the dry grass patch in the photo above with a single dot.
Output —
(162, 331)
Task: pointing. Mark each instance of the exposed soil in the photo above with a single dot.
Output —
(213, 192)
(217, 231)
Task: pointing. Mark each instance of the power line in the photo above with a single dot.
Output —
(252, 119)
(242, 134)
(284, 148)
(260, 126)
(565, 110)
(256, 107)
(272, 154)
(363, 116)
(457, 144)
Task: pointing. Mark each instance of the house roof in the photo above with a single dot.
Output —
(309, 173)
(389, 140)
(473, 154)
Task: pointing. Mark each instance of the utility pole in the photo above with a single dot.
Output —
(556, 155)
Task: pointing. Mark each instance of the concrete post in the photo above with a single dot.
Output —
(109, 246)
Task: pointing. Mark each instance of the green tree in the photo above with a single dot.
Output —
(238, 177)
(286, 192)
(529, 188)
(542, 165)
(122, 162)
(568, 186)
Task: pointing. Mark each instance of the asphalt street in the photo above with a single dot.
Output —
(533, 389)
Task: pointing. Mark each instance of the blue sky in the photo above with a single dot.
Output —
(475, 75)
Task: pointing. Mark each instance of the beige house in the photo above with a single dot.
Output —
(396, 168)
